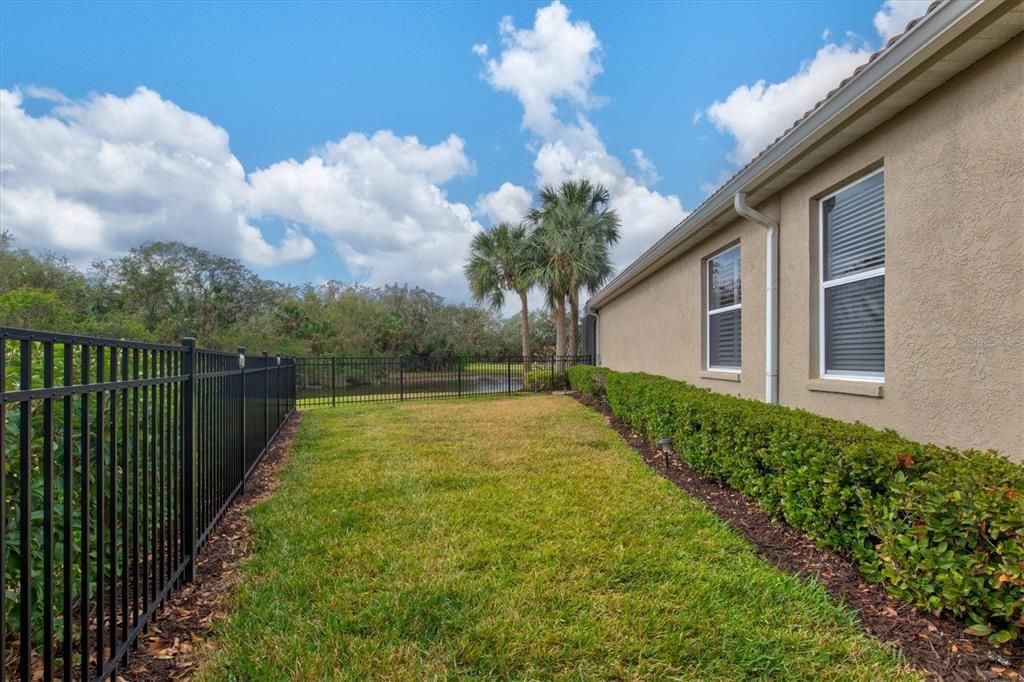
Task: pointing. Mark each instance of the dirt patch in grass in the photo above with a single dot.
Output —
(936, 645)
(176, 643)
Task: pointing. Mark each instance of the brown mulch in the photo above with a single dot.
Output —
(935, 645)
(176, 643)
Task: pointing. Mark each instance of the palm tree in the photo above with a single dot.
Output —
(574, 231)
(499, 262)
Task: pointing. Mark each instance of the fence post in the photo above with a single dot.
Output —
(401, 378)
(188, 408)
(458, 365)
(266, 399)
(277, 413)
(334, 388)
(241, 417)
(508, 371)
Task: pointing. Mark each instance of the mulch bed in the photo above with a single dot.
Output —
(176, 643)
(934, 644)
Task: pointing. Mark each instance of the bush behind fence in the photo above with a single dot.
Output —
(119, 458)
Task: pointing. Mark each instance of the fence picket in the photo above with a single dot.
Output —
(159, 459)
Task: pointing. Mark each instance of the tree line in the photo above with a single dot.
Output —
(163, 291)
(562, 247)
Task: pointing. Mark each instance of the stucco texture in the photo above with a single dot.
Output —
(954, 290)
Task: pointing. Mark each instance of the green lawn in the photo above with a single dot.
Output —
(511, 538)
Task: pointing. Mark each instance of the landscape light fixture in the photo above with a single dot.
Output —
(241, 357)
(665, 444)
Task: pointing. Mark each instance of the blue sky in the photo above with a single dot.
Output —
(282, 133)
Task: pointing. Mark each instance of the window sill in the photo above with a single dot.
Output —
(870, 389)
(721, 376)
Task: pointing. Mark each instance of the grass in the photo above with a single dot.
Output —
(511, 538)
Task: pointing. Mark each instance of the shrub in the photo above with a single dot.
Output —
(588, 379)
(544, 379)
(944, 528)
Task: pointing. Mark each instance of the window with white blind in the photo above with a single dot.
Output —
(852, 292)
(723, 311)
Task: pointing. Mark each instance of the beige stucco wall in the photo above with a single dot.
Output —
(658, 325)
(954, 306)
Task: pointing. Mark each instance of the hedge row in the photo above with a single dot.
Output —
(944, 528)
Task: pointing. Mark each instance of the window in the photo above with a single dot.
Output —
(723, 311)
(852, 292)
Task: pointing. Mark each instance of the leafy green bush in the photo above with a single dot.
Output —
(588, 379)
(944, 528)
(544, 379)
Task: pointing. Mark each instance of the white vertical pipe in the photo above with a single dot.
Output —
(771, 341)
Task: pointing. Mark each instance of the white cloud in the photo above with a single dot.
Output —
(756, 114)
(93, 177)
(894, 16)
(556, 59)
(45, 93)
(379, 199)
(553, 65)
(646, 171)
(698, 116)
(507, 204)
(480, 49)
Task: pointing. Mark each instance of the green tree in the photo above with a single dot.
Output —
(574, 231)
(180, 290)
(500, 262)
(34, 309)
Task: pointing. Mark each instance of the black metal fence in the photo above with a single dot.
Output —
(324, 381)
(118, 458)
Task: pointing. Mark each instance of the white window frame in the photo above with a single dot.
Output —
(708, 312)
(871, 377)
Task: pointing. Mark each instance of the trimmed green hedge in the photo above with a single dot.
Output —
(944, 528)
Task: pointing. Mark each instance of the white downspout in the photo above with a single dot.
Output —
(771, 323)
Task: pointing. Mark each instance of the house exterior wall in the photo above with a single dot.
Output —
(954, 289)
(658, 326)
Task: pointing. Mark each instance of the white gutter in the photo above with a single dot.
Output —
(771, 315)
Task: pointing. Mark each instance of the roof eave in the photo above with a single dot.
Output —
(929, 35)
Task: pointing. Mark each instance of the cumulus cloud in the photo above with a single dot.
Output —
(550, 68)
(894, 16)
(556, 59)
(96, 176)
(379, 199)
(507, 204)
(756, 114)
